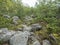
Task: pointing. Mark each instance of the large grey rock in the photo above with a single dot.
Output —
(36, 43)
(5, 35)
(46, 42)
(36, 27)
(20, 38)
(15, 19)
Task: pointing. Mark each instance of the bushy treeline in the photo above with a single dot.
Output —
(46, 11)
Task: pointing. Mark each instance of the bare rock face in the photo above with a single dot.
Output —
(46, 42)
(20, 38)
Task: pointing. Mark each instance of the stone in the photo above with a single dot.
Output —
(46, 42)
(6, 16)
(5, 35)
(32, 28)
(0, 31)
(33, 40)
(52, 37)
(28, 18)
(19, 29)
(20, 38)
(15, 19)
(36, 43)
(36, 27)
(3, 30)
(26, 28)
(33, 16)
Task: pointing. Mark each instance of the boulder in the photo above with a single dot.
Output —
(52, 37)
(33, 16)
(28, 18)
(19, 29)
(3, 30)
(33, 40)
(26, 28)
(46, 42)
(15, 19)
(36, 43)
(5, 35)
(20, 38)
(36, 27)
(6, 16)
(32, 28)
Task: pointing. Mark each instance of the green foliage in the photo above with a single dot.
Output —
(48, 12)
(11, 8)
(4, 22)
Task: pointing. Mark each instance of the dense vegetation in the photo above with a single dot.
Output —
(47, 13)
